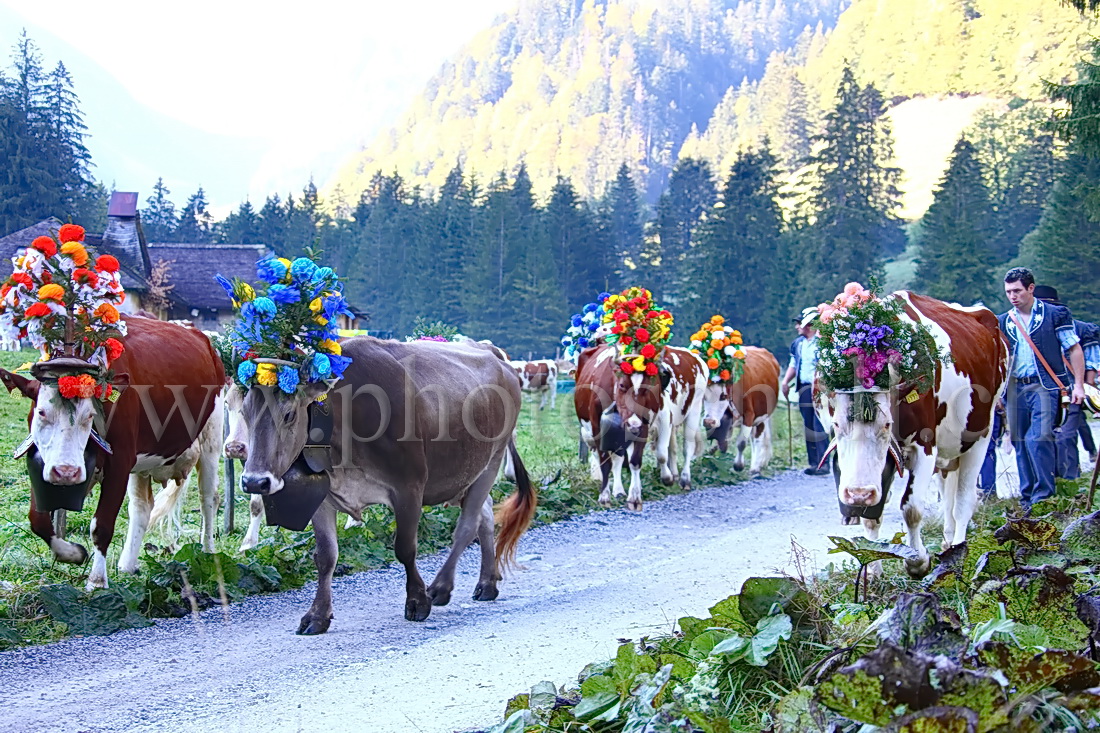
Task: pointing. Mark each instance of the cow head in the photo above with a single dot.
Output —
(277, 425)
(638, 399)
(864, 435)
(61, 427)
(716, 404)
(236, 442)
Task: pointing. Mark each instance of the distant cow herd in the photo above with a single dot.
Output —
(424, 423)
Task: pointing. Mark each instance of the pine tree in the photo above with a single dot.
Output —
(735, 253)
(451, 223)
(853, 193)
(690, 193)
(158, 218)
(66, 156)
(196, 224)
(240, 227)
(621, 217)
(273, 223)
(1029, 180)
(957, 261)
(1064, 250)
(583, 260)
(1078, 122)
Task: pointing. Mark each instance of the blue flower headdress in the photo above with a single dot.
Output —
(583, 328)
(285, 332)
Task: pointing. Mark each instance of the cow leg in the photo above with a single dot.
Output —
(42, 524)
(111, 491)
(469, 521)
(407, 514)
(634, 498)
(663, 427)
(617, 461)
(870, 531)
(486, 589)
(256, 515)
(761, 447)
(966, 492)
(742, 443)
(352, 522)
(319, 616)
(606, 472)
(208, 493)
(692, 440)
(140, 490)
(553, 389)
(922, 467)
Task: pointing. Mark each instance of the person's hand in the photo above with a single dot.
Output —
(784, 388)
(1078, 394)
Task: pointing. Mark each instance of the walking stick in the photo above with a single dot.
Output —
(1092, 484)
(790, 433)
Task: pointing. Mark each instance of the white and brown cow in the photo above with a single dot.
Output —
(944, 428)
(665, 403)
(600, 434)
(170, 377)
(744, 408)
(540, 378)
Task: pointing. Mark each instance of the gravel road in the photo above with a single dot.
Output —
(583, 584)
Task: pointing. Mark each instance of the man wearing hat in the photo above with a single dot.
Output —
(1038, 333)
(801, 368)
(1067, 458)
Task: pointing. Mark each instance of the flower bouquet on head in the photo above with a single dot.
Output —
(64, 302)
(720, 347)
(437, 331)
(865, 344)
(640, 330)
(285, 332)
(584, 328)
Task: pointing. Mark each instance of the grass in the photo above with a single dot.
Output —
(174, 582)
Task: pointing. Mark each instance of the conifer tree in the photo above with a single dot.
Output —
(451, 226)
(273, 223)
(957, 261)
(621, 219)
(158, 218)
(196, 224)
(690, 193)
(240, 227)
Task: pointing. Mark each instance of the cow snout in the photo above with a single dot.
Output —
(236, 449)
(65, 475)
(860, 496)
(256, 484)
(710, 423)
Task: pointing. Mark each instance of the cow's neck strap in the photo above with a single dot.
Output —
(317, 451)
(1038, 355)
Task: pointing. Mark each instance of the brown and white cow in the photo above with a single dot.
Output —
(744, 408)
(665, 402)
(431, 423)
(540, 378)
(945, 428)
(601, 431)
(170, 377)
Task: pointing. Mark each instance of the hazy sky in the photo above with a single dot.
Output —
(242, 97)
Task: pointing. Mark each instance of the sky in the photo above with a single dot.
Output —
(243, 98)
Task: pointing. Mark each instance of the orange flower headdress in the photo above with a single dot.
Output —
(720, 347)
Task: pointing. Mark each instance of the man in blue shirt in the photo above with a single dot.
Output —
(801, 368)
(1033, 393)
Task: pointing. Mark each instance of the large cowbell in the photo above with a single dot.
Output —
(308, 480)
(49, 497)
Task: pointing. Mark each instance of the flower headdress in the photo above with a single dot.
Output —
(720, 347)
(63, 302)
(584, 327)
(640, 329)
(289, 317)
(863, 339)
(438, 331)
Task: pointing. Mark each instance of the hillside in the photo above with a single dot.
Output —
(574, 89)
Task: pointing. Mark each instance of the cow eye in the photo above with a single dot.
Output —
(288, 418)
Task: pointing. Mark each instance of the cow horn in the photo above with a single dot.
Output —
(830, 449)
(895, 451)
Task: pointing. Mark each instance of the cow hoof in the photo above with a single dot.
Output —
(439, 596)
(685, 483)
(486, 592)
(918, 568)
(311, 625)
(634, 505)
(738, 466)
(605, 503)
(757, 476)
(669, 480)
(417, 609)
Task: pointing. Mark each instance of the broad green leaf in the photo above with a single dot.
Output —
(766, 640)
(1030, 532)
(1028, 672)
(628, 665)
(515, 723)
(98, 613)
(1081, 538)
(543, 696)
(866, 551)
(795, 713)
(691, 627)
(917, 622)
(761, 597)
(706, 641)
(728, 613)
(733, 647)
(992, 565)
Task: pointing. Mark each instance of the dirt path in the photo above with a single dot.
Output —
(585, 583)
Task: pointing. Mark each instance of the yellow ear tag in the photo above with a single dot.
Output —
(26, 367)
(113, 397)
(912, 397)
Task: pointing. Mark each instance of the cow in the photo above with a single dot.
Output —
(538, 377)
(665, 402)
(168, 377)
(592, 400)
(745, 408)
(943, 429)
(431, 425)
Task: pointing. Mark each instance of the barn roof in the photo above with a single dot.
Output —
(193, 267)
(16, 241)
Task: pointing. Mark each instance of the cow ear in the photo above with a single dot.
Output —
(121, 382)
(665, 375)
(29, 387)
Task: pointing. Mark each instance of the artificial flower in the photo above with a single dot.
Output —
(114, 349)
(83, 276)
(267, 375)
(288, 379)
(71, 233)
(106, 263)
(37, 310)
(246, 370)
(51, 292)
(76, 386)
(107, 313)
(45, 245)
(332, 347)
(76, 251)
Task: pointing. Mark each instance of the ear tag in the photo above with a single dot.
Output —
(25, 367)
(113, 397)
(23, 447)
(912, 397)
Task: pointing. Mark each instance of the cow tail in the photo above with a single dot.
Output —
(515, 514)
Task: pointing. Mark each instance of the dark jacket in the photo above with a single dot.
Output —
(796, 354)
(1047, 320)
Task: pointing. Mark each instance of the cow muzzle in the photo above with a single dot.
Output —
(66, 475)
(859, 496)
(710, 423)
(236, 449)
(261, 483)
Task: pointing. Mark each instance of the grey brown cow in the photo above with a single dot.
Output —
(415, 424)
